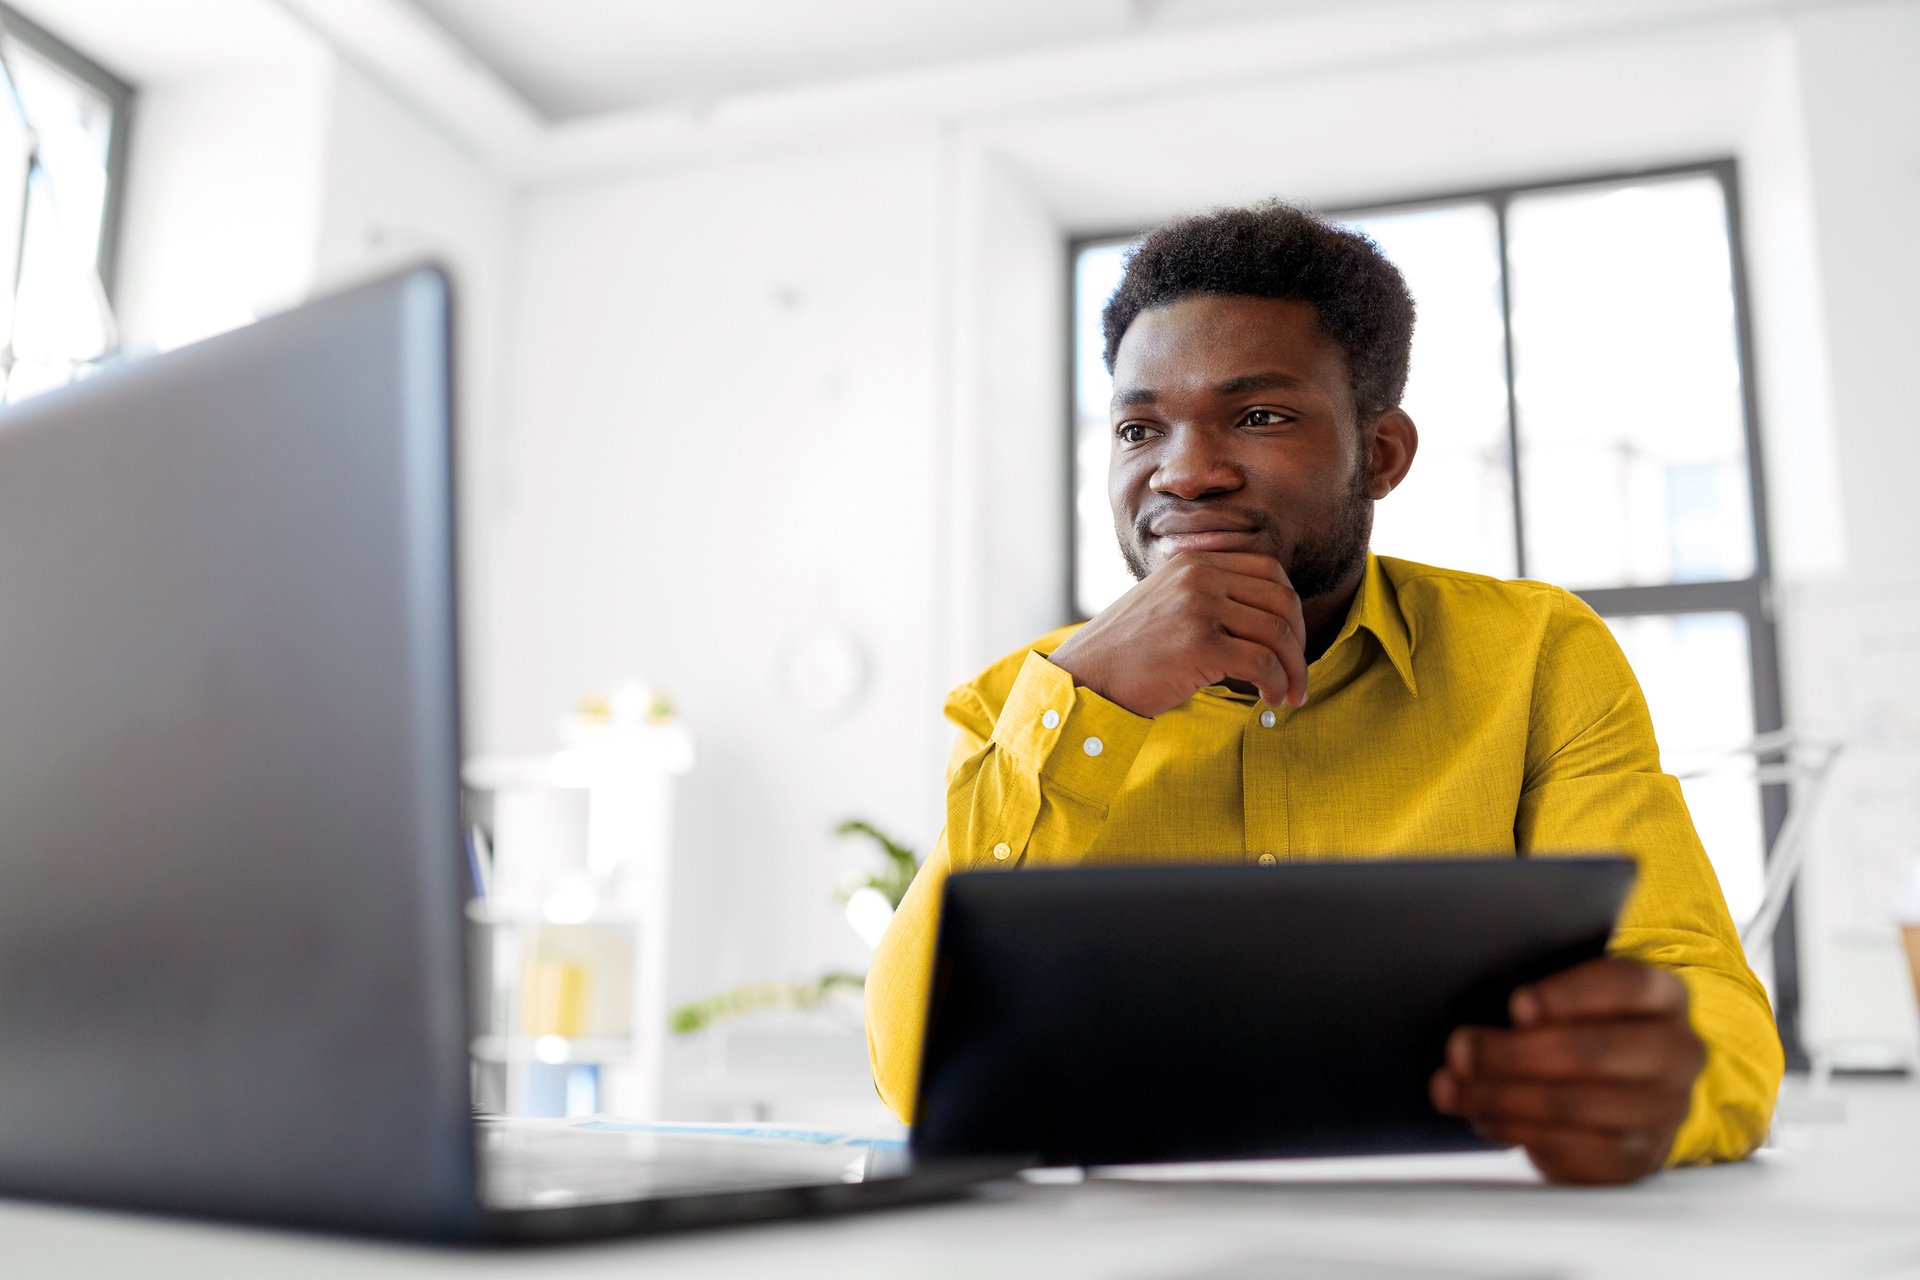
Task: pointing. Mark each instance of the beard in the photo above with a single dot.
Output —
(1320, 561)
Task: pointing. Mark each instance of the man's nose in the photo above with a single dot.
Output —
(1193, 465)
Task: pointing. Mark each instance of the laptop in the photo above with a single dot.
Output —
(232, 962)
(1132, 1015)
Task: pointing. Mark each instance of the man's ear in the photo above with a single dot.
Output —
(1393, 442)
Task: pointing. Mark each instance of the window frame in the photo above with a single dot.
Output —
(120, 97)
(1751, 597)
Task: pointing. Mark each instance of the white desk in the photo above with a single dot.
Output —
(1834, 1200)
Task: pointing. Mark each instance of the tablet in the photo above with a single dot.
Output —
(1124, 1015)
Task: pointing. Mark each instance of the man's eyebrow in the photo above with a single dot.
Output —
(1126, 397)
(1259, 382)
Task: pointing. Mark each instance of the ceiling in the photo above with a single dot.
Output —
(542, 88)
(146, 41)
(574, 58)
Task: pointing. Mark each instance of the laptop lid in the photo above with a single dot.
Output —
(1124, 1015)
(230, 956)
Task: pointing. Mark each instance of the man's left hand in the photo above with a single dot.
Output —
(1593, 1079)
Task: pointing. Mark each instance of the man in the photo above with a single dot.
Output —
(1270, 691)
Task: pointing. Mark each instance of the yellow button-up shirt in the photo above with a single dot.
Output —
(1453, 715)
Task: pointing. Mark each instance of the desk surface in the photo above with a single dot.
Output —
(1835, 1198)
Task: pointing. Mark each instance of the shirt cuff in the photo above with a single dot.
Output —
(1076, 739)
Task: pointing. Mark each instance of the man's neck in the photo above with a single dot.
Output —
(1327, 613)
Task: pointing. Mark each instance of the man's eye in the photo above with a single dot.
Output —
(1135, 432)
(1264, 418)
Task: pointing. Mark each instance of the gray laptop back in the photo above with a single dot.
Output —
(230, 847)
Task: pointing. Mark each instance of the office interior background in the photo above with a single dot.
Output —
(775, 380)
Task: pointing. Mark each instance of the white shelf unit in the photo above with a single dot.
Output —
(570, 942)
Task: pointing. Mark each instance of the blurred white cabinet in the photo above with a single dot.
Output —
(573, 857)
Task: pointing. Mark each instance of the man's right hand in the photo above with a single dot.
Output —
(1201, 618)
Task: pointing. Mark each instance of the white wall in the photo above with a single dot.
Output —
(1863, 133)
(1853, 634)
(396, 190)
(1004, 494)
(727, 434)
(255, 183)
(223, 199)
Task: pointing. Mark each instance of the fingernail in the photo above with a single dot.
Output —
(1525, 1008)
(1460, 1052)
(1445, 1092)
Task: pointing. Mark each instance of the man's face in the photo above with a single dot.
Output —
(1234, 430)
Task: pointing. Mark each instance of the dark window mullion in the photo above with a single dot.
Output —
(1744, 596)
(1769, 703)
(1499, 203)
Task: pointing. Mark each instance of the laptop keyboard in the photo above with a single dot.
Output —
(546, 1164)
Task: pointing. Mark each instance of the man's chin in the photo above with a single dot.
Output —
(1311, 579)
(1326, 576)
(1159, 550)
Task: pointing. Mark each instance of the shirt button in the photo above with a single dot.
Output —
(1051, 719)
(1267, 859)
(1266, 719)
(1003, 851)
(1095, 746)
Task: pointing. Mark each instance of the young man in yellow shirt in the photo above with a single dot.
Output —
(1270, 691)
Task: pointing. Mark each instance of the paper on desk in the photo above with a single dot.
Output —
(1507, 1168)
(775, 1133)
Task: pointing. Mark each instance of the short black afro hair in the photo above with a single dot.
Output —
(1275, 250)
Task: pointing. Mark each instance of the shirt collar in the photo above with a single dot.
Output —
(1376, 607)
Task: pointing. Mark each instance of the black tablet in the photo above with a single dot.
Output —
(1122, 1015)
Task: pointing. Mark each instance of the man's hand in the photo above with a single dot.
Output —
(1200, 618)
(1593, 1079)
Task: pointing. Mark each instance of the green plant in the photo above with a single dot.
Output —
(697, 1015)
(902, 862)
(891, 882)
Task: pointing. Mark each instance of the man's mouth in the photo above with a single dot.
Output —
(1210, 540)
(1177, 533)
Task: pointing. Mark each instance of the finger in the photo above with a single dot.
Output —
(1258, 568)
(1299, 614)
(1584, 1157)
(1605, 988)
(1272, 594)
(1264, 593)
(1259, 580)
(1255, 663)
(1648, 1050)
(1296, 615)
(1275, 633)
(1609, 1108)
(1251, 564)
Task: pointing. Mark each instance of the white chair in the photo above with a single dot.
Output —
(1783, 756)
(1806, 762)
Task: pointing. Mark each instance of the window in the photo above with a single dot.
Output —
(62, 143)
(1586, 418)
